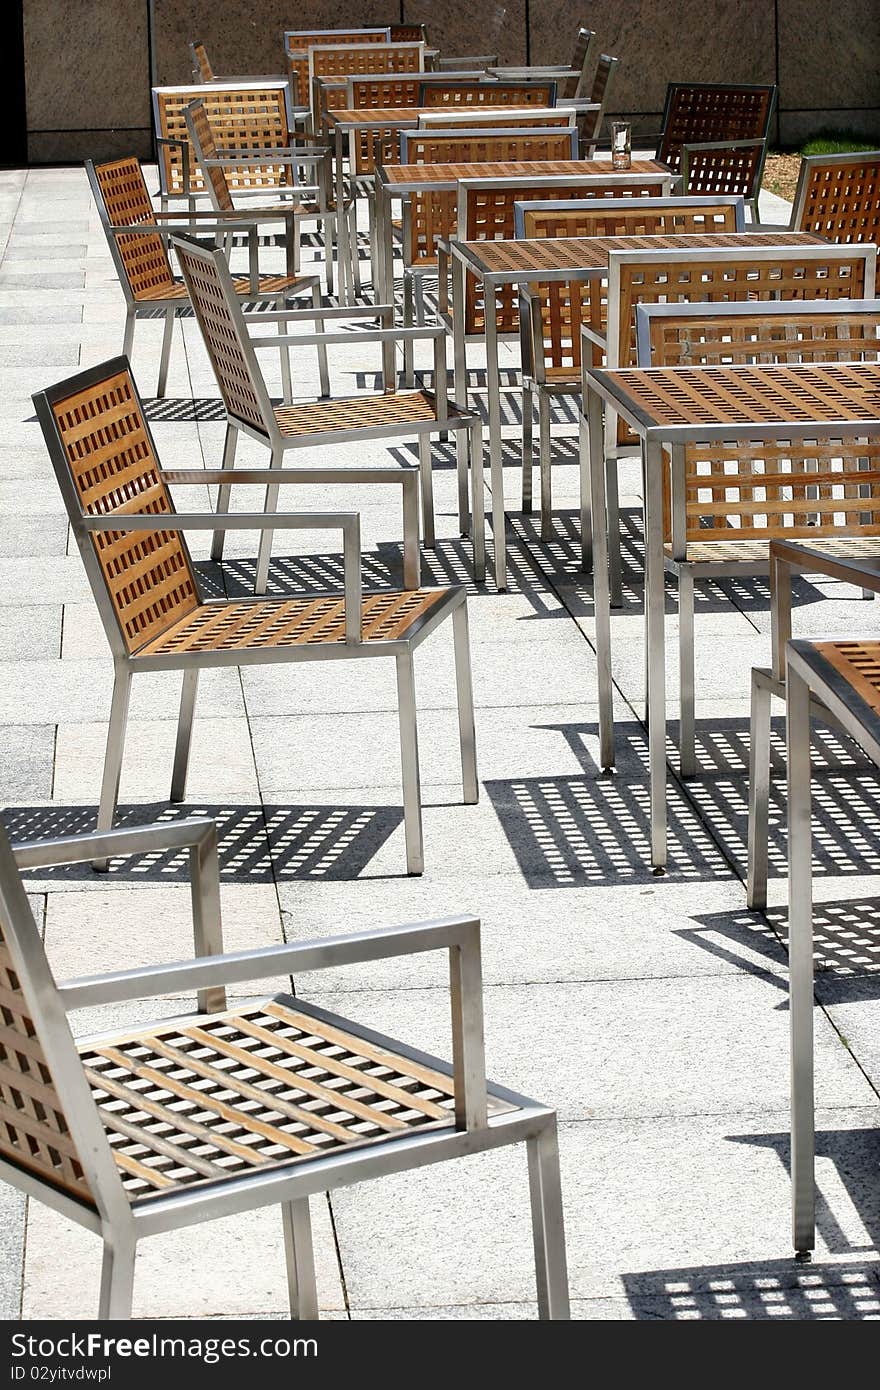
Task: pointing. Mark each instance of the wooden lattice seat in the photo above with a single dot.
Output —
(402, 409)
(755, 552)
(266, 287)
(255, 625)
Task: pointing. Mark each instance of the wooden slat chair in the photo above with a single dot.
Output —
(150, 602)
(391, 415)
(838, 197)
(408, 33)
(203, 68)
(247, 117)
(762, 271)
(572, 77)
(715, 135)
(724, 504)
(183, 1119)
(136, 234)
(555, 312)
(487, 94)
(308, 202)
(590, 123)
(297, 43)
(331, 66)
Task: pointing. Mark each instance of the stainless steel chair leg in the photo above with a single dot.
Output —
(409, 758)
(527, 456)
(323, 364)
(354, 259)
(300, 1257)
(800, 964)
(264, 549)
(409, 378)
(184, 734)
(612, 507)
(113, 754)
(548, 1229)
(167, 335)
(128, 335)
(478, 501)
(759, 792)
(545, 462)
(419, 299)
(286, 382)
(224, 492)
(427, 481)
(329, 239)
(687, 757)
(464, 687)
(117, 1280)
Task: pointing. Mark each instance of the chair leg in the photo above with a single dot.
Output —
(113, 755)
(800, 966)
(419, 293)
(548, 1230)
(527, 456)
(612, 505)
(427, 480)
(225, 491)
(329, 243)
(409, 758)
(167, 335)
(759, 792)
(478, 501)
(300, 1257)
(464, 686)
(354, 260)
(544, 463)
(184, 734)
(128, 335)
(323, 364)
(117, 1281)
(687, 758)
(409, 378)
(286, 383)
(264, 550)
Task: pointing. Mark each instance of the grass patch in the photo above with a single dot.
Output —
(839, 142)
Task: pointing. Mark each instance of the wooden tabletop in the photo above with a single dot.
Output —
(709, 402)
(555, 258)
(403, 177)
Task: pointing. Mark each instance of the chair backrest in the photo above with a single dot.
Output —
(496, 117)
(697, 112)
(122, 200)
(574, 86)
(105, 462)
(838, 196)
(202, 140)
(734, 168)
(639, 216)
(244, 118)
(382, 93)
(591, 124)
(430, 216)
(202, 69)
(297, 43)
(751, 489)
(49, 1124)
(408, 33)
(487, 94)
(220, 317)
(760, 270)
(330, 67)
(487, 210)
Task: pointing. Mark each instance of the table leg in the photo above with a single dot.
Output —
(341, 228)
(496, 471)
(780, 613)
(459, 387)
(656, 645)
(592, 453)
(800, 965)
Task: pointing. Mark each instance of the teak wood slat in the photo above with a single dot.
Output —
(859, 664)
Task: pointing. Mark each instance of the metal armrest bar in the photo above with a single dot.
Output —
(459, 935)
(342, 311)
(364, 335)
(724, 144)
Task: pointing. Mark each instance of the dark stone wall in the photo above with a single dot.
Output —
(89, 63)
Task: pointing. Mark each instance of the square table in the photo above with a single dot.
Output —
(674, 406)
(524, 262)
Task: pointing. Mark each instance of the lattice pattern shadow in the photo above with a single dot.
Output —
(766, 1291)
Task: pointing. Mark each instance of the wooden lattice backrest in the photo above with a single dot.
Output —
(725, 275)
(224, 333)
(244, 119)
(736, 169)
(431, 216)
(202, 68)
(838, 197)
(120, 186)
(298, 42)
(113, 468)
(488, 94)
(698, 112)
(204, 148)
(408, 33)
(34, 1131)
(384, 93)
(764, 479)
(352, 60)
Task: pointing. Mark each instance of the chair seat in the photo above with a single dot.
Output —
(227, 625)
(353, 413)
(755, 551)
(217, 1096)
(859, 663)
(269, 285)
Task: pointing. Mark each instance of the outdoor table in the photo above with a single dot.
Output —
(670, 407)
(523, 262)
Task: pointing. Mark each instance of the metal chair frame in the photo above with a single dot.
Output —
(481, 1115)
(220, 225)
(130, 660)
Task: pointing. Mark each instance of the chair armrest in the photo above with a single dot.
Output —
(342, 311)
(364, 335)
(460, 936)
(197, 836)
